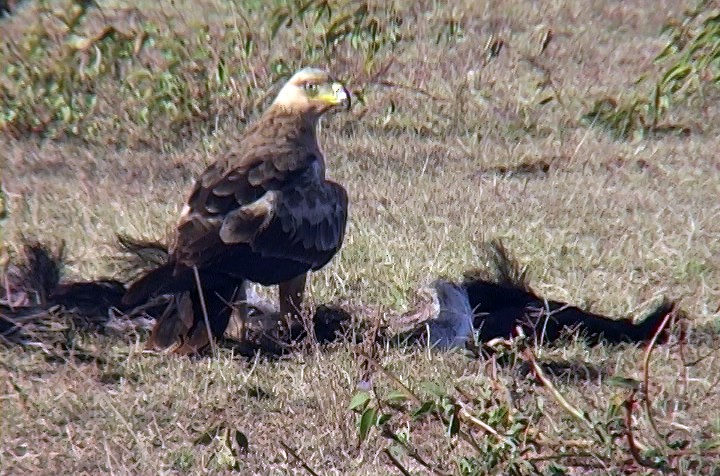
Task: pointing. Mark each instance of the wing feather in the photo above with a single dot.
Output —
(308, 225)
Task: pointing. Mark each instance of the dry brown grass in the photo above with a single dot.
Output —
(610, 224)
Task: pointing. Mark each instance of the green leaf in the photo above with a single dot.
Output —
(546, 100)
(397, 396)
(241, 440)
(208, 435)
(669, 50)
(359, 401)
(384, 418)
(433, 388)
(679, 72)
(454, 425)
(78, 42)
(623, 382)
(424, 409)
(336, 25)
(304, 8)
(280, 16)
(367, 420)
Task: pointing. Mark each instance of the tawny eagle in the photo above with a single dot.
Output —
(264, 212)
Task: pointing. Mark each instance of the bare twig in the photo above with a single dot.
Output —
(211, 338)
(397, 463)
(575, 412)
(560, 456)
(707, 355)
(683, 360)
(414, 89)
(412, 452)
(713, 387)
(298, 459)
(382, 71)
(465, 414)
(646, 376)
(634, 447)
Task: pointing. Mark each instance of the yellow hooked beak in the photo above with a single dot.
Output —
(335, 95)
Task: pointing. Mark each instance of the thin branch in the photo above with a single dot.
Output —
(634, 449)
(555, 393)
(298, 459)
(397, 463)
(646, 376)
(710, 353)
(414, 89)
(464, 414)
(211, 338)
(411, 451)
(479, 423)
(560, 456)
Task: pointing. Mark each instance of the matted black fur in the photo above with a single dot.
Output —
(32, 290)
(503, 300)
(499, 300)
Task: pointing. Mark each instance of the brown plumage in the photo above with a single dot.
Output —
(264, 212)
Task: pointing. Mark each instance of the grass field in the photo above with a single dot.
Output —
(469, 128)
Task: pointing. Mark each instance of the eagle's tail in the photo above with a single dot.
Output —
(161, 280)
(171, 278)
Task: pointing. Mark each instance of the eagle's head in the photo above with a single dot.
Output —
(312, 91)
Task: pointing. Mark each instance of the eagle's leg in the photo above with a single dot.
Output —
(291, 297)
(237, 327)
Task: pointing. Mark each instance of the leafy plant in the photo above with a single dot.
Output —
(226, 444)
(364, 27)
(692, 56)
(398, 413)
(354, 36)
(38, 87)
(131, 75)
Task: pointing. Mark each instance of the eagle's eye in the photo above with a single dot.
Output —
(311, 87)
